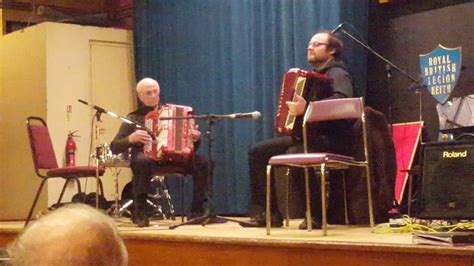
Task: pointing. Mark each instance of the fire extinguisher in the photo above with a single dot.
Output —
(71, 149)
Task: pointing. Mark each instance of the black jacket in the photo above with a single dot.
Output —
(120, 143)
(333, 136)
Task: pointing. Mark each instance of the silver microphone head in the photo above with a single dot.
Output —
(256, 115)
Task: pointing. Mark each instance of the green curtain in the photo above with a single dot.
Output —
(228, 56)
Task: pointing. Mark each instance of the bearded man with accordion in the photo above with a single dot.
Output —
(330, 79)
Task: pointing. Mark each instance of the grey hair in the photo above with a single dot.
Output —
(146, 82)
(75, 234)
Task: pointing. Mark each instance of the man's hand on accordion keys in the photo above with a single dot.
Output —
(297, 106)
(140, 136)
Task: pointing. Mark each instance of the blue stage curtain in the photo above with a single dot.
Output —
(228, 56)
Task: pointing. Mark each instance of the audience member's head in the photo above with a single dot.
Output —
(75, 234)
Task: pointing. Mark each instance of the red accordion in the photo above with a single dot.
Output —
(173, 140)
(295, 82)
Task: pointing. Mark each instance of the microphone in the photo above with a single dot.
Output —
(252, 115)
(337, 28)
(100, 109)
(128, 121)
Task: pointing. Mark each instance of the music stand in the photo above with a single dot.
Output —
(209, 215)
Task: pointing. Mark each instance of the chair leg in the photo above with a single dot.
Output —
(323, 199)
(62, 191)
(268, 209)
(346, 214)
(181, 185)
(288, 188)
(410, 191)
(78, 183)
(30, 213)
(369, 193)
(101, 187)
(308, 200)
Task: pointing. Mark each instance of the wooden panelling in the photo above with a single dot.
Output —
(84, 5)
(107, 13)
(164, 247)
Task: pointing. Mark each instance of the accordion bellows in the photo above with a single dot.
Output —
(171, 125)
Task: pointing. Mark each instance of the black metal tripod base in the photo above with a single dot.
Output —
(204, 220)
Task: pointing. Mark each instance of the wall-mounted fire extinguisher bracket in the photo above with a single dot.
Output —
(71, 148)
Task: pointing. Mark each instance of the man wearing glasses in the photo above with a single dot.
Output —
(323, 52)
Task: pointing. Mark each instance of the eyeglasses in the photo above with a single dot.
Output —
(316, 44)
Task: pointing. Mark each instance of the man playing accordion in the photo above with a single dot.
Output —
(143, 167)
(323, 52)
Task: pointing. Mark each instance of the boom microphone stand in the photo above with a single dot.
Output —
(210, 215)
(416, 83)
(99, 111)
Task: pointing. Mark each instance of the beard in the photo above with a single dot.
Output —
(315, 60)
(318, 62)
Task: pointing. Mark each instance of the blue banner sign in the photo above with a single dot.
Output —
(440, 70)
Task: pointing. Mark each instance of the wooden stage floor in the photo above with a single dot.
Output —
(230, 244)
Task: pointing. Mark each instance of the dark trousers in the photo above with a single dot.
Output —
(143, 169)
(258, 157)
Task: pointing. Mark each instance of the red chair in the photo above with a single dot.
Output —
(347, 108)
(45, 163)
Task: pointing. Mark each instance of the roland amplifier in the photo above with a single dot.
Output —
(446, 189)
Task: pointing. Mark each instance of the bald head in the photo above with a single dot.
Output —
(148, 91)
(75, 234)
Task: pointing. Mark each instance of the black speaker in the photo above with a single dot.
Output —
(446, 189)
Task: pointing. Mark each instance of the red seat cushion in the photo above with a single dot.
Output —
(307, 158)
(75, 171)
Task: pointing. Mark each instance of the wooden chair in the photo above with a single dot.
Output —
(318, 111)
(46, 165)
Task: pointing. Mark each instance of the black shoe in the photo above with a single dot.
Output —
(260, 221)
(316, 224)
(141, 220)
(140, 217)
(144, 223)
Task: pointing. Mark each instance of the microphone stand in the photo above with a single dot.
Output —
(210, 119)
(389, 66)
(416, 83)
(209, 215)
(97, 115)
(99, 111)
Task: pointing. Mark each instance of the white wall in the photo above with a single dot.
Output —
(45, 68)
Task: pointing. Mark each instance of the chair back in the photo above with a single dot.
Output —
(41, 145)
(336, 109)
(344, 108)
